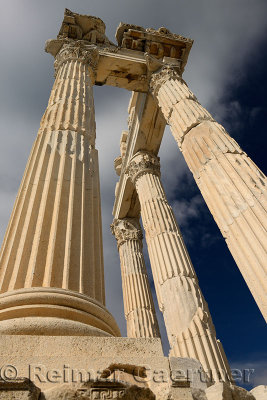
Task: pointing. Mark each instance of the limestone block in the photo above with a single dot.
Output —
(219, 391)
(239, 393)
(96, 390)
(82, 357)
(224, 391)
(180, 393)
(190, 368)
(18, 389)
(260, 392)
(63, 392)
(198, 394)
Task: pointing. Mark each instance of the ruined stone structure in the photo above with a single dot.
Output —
(52, 309)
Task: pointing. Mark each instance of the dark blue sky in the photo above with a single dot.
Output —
(226, 68)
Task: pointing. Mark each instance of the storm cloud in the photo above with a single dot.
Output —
(227, 36)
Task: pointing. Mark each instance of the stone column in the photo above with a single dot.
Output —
(51, 263)
(187, 318)
(138, 302)
(231, 184)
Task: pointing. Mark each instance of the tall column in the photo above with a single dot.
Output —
(137, 298)
(231, 184)
(187, 318)
(51, 263)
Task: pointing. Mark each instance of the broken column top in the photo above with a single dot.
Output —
(83, 27)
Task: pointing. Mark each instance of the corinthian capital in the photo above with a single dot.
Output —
(77, 50)
(143, 162)
(166, 73)
(126, 229)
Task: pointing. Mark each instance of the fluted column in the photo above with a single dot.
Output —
(137, 298)
(52, 258)
(188, 322)
(231, 184)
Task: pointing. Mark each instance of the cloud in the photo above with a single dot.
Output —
(186, 209)
(226, 35)
(254, 373)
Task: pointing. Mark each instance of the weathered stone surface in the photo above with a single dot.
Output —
(239, 393)
(95, 390)
(260, 392)
(54, 239)
(184, 308)
(183, 393)
(51, 261)
(198, 394)
(136, 393)
(219, 391)
(139, 307)
(224, 391)
(38, 356)
(129, 64)
(18, 389)
(190, 368)
(157, 43)
(231, 184)
(62, 392)
(83, 27)
(146, 126)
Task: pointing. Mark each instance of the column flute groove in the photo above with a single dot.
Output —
(181, 299)
(231, 184)
(48, 277)
(138, 302)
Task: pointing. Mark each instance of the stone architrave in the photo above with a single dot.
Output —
(231, 184)
(138, 302)
(51, 262)
(187, 318)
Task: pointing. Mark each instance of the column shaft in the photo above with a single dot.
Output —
(137, 298)
(188, 322)
(54, 238)
(231, 184)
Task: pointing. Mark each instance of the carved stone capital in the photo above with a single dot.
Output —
(143, 162)
(126, 229)
(161, 76)
(78, 50)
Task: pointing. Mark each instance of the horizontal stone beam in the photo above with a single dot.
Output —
(146, 128)
(127, 65)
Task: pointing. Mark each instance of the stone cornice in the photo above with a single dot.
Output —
(159, 43)
(129, 65)
(126, 229)
(141, 163)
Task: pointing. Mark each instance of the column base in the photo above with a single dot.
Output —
(53, 311)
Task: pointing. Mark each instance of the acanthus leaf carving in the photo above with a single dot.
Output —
(164, 74)
(126, 229)
(77, 50)
(143, 162)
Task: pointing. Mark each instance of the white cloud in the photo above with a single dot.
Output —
(226, 35)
